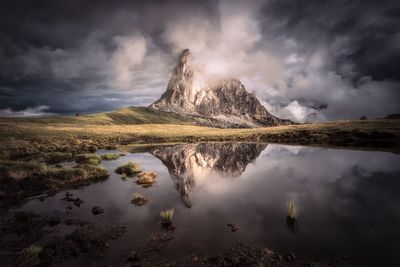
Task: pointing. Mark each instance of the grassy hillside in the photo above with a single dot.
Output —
(21, 137)
(33, 136)
(129, 115)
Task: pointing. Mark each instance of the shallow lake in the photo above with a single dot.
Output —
(348, 201)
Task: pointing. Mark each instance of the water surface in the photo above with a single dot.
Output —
(348, 201)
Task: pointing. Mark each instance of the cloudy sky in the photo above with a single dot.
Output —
(305, 60)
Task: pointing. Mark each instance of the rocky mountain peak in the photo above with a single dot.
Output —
(216, 101)
(183, 70)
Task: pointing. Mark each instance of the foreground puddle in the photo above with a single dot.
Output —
(316, 202)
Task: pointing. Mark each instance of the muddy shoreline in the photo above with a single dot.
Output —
(22, 245)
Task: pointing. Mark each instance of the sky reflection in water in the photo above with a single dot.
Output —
(348, 201)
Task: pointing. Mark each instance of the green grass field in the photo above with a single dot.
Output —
(143, 126)
(128, 115)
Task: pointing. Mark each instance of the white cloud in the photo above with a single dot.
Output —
(296, 112)
(130, 54)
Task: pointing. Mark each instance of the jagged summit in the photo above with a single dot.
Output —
(217, 101)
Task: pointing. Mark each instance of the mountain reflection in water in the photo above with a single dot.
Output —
(319, 203)
(191, 164)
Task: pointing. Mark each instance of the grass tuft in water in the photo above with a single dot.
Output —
(110, 156)
(292, 210)
(146, 178)
(139, 200)
(166, 216)
(90, 159)
(129, 169)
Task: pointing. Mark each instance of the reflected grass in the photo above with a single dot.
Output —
(292, 213)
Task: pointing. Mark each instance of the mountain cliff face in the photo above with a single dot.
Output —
(192, 164)
(218, 102)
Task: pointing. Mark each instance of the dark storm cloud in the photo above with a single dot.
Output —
(70, 56)
(365, 33)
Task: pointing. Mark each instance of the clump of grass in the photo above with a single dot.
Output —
(20, 179)
(16, 171)
(129, 169)
(30, 256)
(56, 157)
(78, 174)
(110, 156)
(110, 147)
(90, 159)
(166, 216)
(292, 210)
(33, 249)
(139, 200)
(146, 178)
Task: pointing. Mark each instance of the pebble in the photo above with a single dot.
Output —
(97, 210)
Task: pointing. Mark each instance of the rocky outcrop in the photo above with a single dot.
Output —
(189, 164)
(215, 101)
(395, 116)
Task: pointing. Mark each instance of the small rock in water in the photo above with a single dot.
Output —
(68, 195)
(132, 257)
(69, 207)
(75, 221)
(92, 148)
(76, 201)
(97, 210)
(279, 258)
(139, 200)
(53, 221)
(290, 256)
(233, 227)
(269, 251)
(157, 242)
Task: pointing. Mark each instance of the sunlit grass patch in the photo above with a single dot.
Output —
(91, 159)
(129, 169)
(56, 157)
(78, 173)
(146, 178)
(19, 170)
(110, 156)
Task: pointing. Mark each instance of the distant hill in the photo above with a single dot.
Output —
(128, 115)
